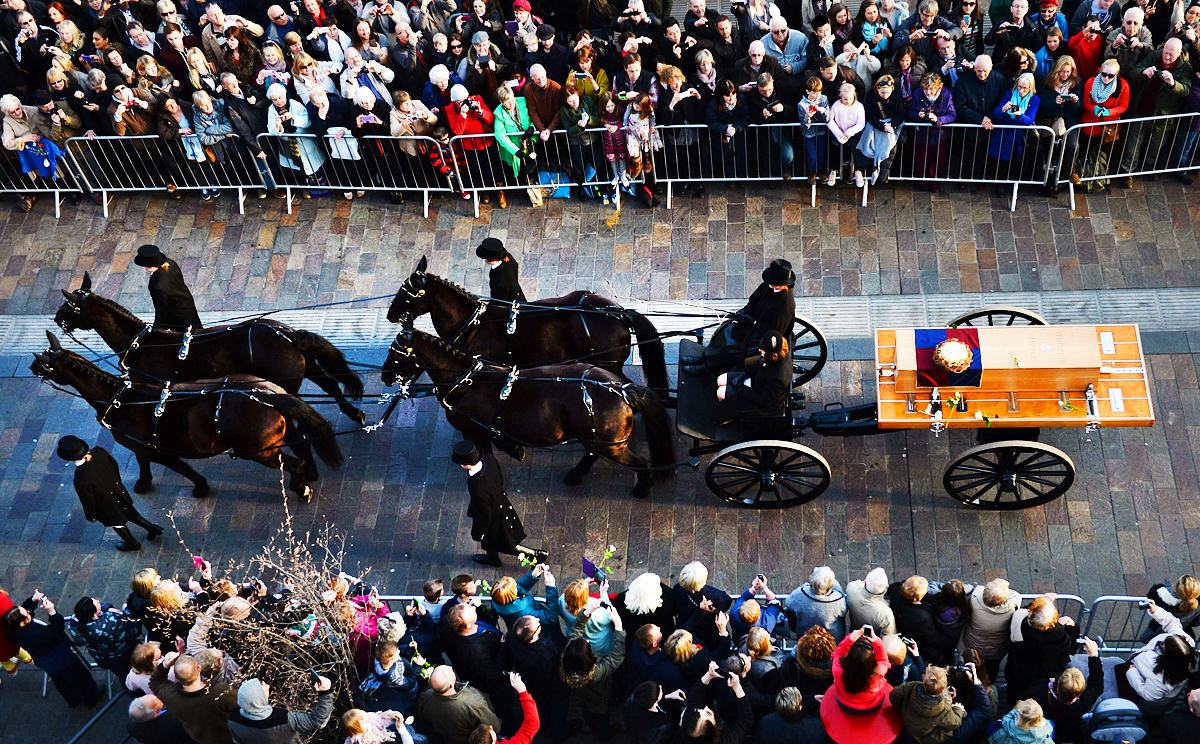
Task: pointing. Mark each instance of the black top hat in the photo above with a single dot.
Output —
(491, 249)
(149, 255)
(465, 453)
(779, 273)
(772, 342)
(72, 448)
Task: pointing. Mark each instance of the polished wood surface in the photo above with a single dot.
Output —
(1036, 406)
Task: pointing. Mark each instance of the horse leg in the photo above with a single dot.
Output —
(645, 476)
(304, 473)
(179, 466)
(145, 481)
(575, 475)
(326, 382)
(510, 447)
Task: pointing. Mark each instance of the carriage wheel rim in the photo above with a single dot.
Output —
(1009, 314)
(768, 474)
(1009, 475)
(807, 338)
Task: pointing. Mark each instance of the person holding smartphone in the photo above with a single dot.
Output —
(50, 648)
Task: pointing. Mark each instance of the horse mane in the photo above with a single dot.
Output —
(117, 309)
(449, 284)
(460, 355)
(89, 369)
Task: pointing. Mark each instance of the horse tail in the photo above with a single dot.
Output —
(311, 424)
(654, 361)
(330, 358)
(659, 433)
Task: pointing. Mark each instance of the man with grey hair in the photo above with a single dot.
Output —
(1158, 87)
(1132, 42)
(167, 12)
(788, 46)
(755, 63)
(451, 711)
(922, 27)
(545, 99)
(150, 723)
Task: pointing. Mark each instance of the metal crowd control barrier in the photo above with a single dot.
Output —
(1118, 624)
(347, 163)
(481, 169)
(1146, 145)
(930, 153)
(14, 180)
(762, 152)
(150, 163)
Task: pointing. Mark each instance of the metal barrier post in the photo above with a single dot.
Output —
(1118, 623)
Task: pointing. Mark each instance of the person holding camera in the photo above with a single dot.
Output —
(1131, 43)
(256, 721)
(1158, 87)
(50, 648)
(202, 707)
(928, 707)
(32, 49)
(858, 709)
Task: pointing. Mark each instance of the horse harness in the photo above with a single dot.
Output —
(467, 379)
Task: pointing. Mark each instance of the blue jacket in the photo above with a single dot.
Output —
(658, 668)
(524, 605)
(767, 620)
(794, 53)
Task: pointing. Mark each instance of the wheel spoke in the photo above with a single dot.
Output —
(976, 483)
(740, 491)
(738, 468)
(728, 479)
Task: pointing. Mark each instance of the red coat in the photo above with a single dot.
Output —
(1087, 54)
(877, 689)
(1116, 105)
(471, 124)
(529, 726)
(8, 649)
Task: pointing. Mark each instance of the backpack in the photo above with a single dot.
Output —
(1115, 720)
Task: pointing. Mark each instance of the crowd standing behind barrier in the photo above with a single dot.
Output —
(940, 626)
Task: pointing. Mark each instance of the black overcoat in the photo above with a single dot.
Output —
(494, 522)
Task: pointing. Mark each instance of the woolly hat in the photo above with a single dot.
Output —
(876, 581)
(522, 5)
(459, 93)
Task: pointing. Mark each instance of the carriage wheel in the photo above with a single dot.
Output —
(997, 315)
(809, 351)
(1009, 475)
(767, 474)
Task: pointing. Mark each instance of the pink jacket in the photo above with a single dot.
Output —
(846, 121)
(878, 688)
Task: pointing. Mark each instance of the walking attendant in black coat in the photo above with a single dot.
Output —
(101, 492)
(503, 281)
(174, 308)
(494, 522)
(772, 307)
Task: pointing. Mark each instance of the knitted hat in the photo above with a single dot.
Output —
(459, 93)
(522, 5)
(876, 581)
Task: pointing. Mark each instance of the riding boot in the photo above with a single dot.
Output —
(538, 555)
(152, 530)
(129, 542)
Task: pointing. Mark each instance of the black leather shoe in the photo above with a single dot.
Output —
(155, 533)
(484, 559)
(125, 546)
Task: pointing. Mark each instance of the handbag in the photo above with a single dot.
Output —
(1111, 133)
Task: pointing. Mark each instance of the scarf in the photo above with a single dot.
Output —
(1020, 102)
(710, 80)
(1102, 92)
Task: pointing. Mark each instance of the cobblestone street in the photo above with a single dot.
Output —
(1127, 523)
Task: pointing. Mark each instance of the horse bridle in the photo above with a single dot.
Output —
(414, 297)
(74, 309)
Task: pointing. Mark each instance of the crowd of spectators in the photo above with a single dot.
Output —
(908, 661)
(605, 78)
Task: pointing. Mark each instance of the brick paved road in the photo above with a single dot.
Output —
(1128, 521)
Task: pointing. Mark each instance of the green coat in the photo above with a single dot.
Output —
(508, 133)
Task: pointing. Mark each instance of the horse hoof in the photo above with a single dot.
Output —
(572, 478)
(308, 494)
(200, 491)
(143, 486)
(518, 453)
(359, 416)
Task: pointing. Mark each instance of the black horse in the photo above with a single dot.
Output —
(248, 417)
(539, 406)
(581, 326)
(262, 348)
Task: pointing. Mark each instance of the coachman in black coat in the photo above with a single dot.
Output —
(503, 281)
(174, 308)
(101, 492)
(772, 307)
(494, 522)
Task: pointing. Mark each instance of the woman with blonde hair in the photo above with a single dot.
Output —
(140, 585)
(170, 615)
(765, 659)
(1042, 644)
(201, 74)
(308, 73)
(693, 593)
(152, 78)
(1024, 724)
(1182, 600)
(691, 657)
(363, 727)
